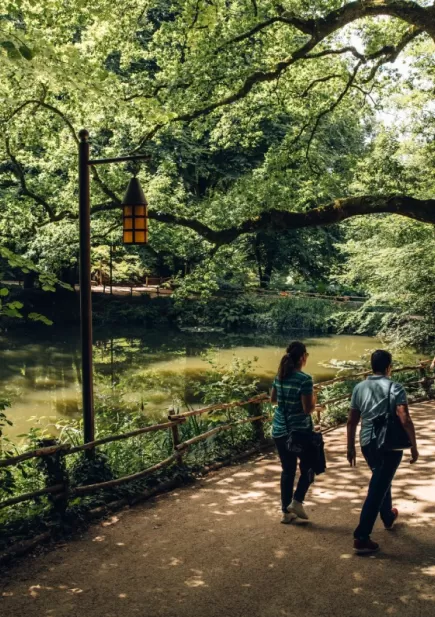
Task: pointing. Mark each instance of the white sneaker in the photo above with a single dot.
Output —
(297, 508)
(288, 517)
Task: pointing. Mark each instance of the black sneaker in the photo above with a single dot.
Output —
(365, 547)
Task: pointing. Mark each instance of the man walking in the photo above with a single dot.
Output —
(371, 398)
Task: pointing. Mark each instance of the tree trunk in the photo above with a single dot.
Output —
(267, 274)
(69, 275)
(257, 253)
(29, 280)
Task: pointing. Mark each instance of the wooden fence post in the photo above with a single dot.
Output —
(175, 438)
(255, 409)
(54, 469)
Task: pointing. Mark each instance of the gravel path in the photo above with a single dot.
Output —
(217, 549)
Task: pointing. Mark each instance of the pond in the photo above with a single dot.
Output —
(40, 371)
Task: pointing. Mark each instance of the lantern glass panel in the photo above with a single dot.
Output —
(135, 214)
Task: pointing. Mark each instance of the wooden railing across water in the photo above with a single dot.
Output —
(255, 415)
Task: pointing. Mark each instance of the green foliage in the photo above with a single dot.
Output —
(367, 320)
(126, 71)
(288, 314)
(115, 414)
(85, 470)
(127, 265)
(7, 479)
(9, 309)
(47, 282)
(336, 413)
(394, 261)
(265, 314)
(232, 312)
(291, 144)
(224, 383)
(147, 311)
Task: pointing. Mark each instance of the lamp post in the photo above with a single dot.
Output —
(135, 231)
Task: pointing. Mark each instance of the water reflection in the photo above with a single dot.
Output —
(40, 373)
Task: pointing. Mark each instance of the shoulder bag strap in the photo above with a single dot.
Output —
(390, 387)
(389, 397)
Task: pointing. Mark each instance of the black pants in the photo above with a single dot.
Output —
(289, 463)
(378, 501)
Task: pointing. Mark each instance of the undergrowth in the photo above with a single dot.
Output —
(115, 415)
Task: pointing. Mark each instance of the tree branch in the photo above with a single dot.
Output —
(250, 82)
(281, 220)
(266, 76)
(333, 106)
(421, 18)
(103, 186)
(55, 110)
(408, 11)
(341, 209)
(389, 54)
(19, 174)
(348, 49)
(320, 80)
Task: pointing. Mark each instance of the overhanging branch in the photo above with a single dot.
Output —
(281, 220)
(421, 19)
(21, 177)
(335, 212)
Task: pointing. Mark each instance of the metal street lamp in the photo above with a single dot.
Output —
(135, 231)
(135, 214)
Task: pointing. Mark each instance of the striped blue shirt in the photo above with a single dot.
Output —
(289, 414)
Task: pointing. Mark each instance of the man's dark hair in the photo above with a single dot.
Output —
(381, 360)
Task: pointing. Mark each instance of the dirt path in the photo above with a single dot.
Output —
(217, 550)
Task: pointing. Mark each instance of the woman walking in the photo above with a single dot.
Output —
(293, 390)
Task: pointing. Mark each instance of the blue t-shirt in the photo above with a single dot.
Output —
(289, 414)
(370, 398)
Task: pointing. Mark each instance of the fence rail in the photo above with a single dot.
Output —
(165, 286)
(256, 416)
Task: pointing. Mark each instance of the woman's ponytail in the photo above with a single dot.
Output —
(291, 360)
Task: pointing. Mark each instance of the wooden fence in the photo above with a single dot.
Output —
(255, 415)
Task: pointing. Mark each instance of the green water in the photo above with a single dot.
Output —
(40, 373)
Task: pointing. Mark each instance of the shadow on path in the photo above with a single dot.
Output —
(217, 549)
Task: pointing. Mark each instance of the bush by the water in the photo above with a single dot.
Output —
(116, 415)
(237, 312)
(251, 312)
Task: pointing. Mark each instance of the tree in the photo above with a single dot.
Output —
(145, 74)
(389, 257)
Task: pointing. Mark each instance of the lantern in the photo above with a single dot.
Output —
(135, 214)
